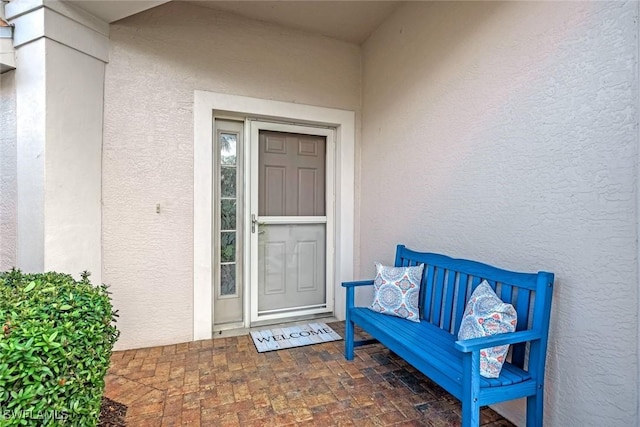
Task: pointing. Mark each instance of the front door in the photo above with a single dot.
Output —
(291, 225)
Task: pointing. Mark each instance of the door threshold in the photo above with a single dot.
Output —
(274, 323)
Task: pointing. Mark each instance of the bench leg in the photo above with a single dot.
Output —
(348, 340)
(471, 389)
(470, 414)
(534, 408)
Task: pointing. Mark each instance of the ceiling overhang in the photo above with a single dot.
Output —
(113, 10)
(350, 21)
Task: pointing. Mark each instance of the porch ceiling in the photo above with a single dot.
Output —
(350, 21)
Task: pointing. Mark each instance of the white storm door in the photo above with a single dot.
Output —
(292, 207)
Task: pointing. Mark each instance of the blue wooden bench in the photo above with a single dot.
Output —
(432, 347)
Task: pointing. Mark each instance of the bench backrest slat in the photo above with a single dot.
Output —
(448, 283)
(461, 298)
(506, 292)
(438, 288)
(523, 307)
(448, 300)
(426, 292)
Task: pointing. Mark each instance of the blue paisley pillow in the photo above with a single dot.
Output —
(397, 291)
(485, 315)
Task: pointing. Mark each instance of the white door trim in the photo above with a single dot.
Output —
(205, 105)
(252, 209)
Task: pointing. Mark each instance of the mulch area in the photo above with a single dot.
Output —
(112, 413)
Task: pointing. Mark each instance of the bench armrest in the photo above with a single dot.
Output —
(358, 283)
(474, 344)
(351, 291)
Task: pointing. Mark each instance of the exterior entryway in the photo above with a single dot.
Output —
(291, 266)
(286, 180)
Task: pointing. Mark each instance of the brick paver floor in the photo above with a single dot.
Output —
(226, 382)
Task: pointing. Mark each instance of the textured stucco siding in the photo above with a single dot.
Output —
(507, 133)
(8, 171)
(157, 59)
(72, 157)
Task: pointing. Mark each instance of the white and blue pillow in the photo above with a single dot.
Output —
(484, 315)
(397, 291)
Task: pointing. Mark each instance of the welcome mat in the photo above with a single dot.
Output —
(293, 336)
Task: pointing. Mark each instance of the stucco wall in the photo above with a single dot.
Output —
(157, 59)
(73, 153)
(8, 170)
(507, 133)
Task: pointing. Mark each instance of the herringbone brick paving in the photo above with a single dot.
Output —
(226, 382)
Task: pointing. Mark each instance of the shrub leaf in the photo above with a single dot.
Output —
(29, 287)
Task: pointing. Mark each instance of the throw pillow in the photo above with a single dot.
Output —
(397, 291)
(486, 314)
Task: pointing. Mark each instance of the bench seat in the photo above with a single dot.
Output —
(431, 348)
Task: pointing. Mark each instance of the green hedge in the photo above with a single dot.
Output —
(56, 336)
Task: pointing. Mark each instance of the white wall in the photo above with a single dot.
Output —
(74, 97)
(8, 171)
(507, 133)
(157, 59)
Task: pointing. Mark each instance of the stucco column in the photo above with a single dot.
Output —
(60, 55)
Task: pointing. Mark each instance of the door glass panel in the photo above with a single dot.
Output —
(291, 266)
(228, 153)
(228, 182)
(228, 214)
(227, 246)
(228, 279)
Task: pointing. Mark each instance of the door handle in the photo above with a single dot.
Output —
(254, 222)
